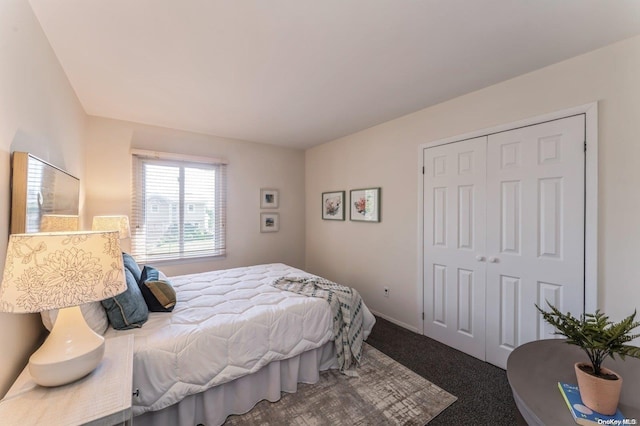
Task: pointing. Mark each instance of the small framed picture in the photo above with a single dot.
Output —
(269, 198)
(333, 205)
(365, 205)
(269, 222)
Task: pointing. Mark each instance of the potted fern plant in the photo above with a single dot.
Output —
(599, 338)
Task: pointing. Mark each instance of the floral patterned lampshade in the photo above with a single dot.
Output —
(58, 222)
(60, 269)
(118, 223)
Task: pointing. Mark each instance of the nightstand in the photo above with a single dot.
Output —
(101, 398)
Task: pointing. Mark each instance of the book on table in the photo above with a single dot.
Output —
(582, 414)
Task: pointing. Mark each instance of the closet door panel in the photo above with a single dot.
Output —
(535, 230)
(454, 198)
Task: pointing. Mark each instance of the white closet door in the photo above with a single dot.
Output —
(535, 231)
(454, 237)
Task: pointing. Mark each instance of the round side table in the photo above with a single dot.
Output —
(535, 368)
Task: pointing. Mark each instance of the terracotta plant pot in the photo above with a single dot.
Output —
(599, 394)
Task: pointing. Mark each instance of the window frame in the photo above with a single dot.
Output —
(139, 211)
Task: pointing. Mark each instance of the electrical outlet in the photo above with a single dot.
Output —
(386, 292)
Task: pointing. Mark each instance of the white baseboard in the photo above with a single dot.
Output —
(395, 321)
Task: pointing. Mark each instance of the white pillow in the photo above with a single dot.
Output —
(94, 314)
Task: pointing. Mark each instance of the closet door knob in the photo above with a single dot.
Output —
(493, 259)
(480, 258)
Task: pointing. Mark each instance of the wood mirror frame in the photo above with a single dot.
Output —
(39, 188)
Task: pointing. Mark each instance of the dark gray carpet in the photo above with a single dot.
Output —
(384, 393)
(484, 395)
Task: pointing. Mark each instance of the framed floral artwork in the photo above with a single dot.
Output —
(365, 205)
(269, 198)
(269, 222)
(333, 205)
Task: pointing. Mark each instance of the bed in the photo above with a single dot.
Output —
(232, 340)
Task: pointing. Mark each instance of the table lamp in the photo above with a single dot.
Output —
(118, 223)
(59, 222)
(61, 270)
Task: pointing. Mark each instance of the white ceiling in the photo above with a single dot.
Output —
(301, 72)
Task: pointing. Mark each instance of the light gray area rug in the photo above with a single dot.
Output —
(385, 393)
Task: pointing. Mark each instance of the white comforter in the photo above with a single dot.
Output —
(226, 324)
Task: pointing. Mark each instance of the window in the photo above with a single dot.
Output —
(179, 206)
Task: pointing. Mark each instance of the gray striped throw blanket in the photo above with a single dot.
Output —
(346, 309)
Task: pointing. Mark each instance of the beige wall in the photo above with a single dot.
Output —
(371, 256)
(251, 167)
(39, 113)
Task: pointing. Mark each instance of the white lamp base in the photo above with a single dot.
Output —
(71, 351)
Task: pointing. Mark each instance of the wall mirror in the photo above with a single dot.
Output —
(39, 188)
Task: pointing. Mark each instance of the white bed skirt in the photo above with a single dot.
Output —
(239, 396)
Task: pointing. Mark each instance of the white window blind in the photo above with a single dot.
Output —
(178, 206)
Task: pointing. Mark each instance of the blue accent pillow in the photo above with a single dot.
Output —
(158, 294)
(131, 264)
(127, 310)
